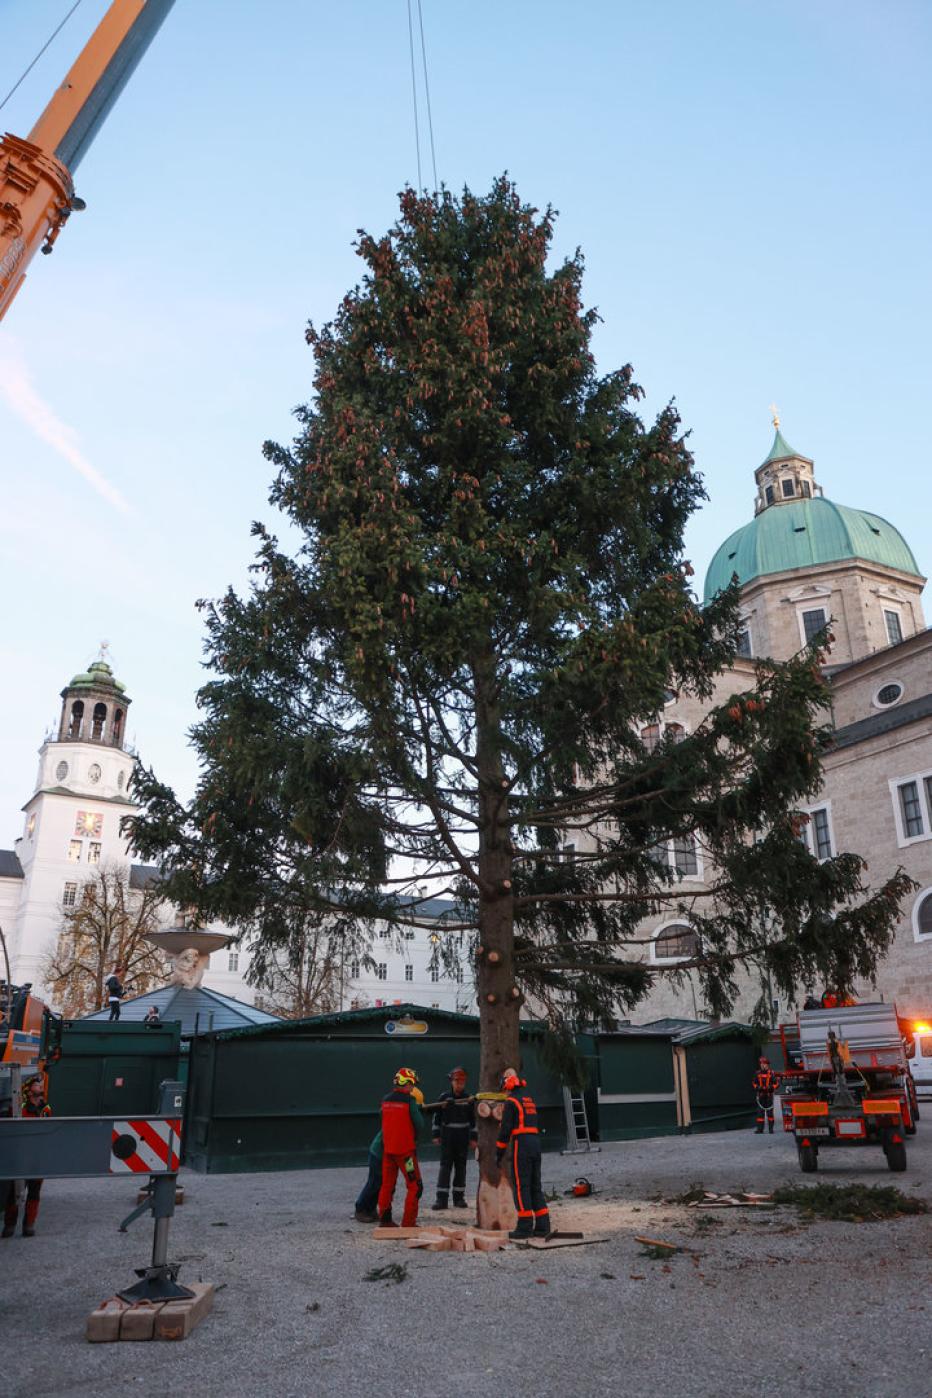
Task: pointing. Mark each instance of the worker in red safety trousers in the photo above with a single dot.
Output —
(519, 1138)
(34, 1104)
(402, 1122)
(765, 1084)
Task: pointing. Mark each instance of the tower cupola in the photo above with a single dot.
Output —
(94, 706)
(784, 475)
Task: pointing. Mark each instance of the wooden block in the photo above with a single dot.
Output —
(177, 1319)
(469, 1243)
(423, 1240)
(138, 1322)
(491, 1244)
(441, 1245)
(103, 1325)
(396, 1235)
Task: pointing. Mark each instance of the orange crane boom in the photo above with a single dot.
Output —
(36, 174)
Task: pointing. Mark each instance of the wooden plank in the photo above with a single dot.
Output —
(389, 1235)
(103, 1324)
(177, 1319)
(541, 1244)
(138, 1322)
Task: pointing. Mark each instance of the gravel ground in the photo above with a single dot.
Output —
(760, 1302)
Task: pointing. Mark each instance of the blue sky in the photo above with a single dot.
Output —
(749, 181)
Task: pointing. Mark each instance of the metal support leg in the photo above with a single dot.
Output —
(158, 1282)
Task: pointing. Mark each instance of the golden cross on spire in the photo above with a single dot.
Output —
(776, 415)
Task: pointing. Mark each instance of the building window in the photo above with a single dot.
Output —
(409, 934)
(888, 694)
(675, 943)
(381, 971)
(458, 975)
(768, 495)
(681, 855)
(69, 895)
(744, 642)
(354, 970)
(567, 852)
(817, 835)
(116, 732)
(385, 933)
(922, 916)
(233, 961)
(650, 736)
(676, 731)
(434, 974)
(789, 488)
(813, 622)
(892, 622)
(93, 853)
(409, 973)
(804, 485)
(911, 808)
(74, 851)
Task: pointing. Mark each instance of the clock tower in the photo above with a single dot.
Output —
(73, 818)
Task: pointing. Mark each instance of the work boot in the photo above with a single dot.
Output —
(29, 1218)
(520, 1234)
(758, 1131)
(9, 1223)
(770, 1128)
(364, 1216)
(441, 1202)
(386, 1220)
(542, 1226)
(459, 1201)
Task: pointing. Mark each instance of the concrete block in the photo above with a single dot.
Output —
(103, 1324)
(138, 1322)
(177, 1319)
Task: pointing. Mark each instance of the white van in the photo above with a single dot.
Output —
(920, 1062)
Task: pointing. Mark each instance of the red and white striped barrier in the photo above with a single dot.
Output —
(146, 1147)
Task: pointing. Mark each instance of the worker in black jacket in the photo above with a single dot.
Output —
(454, 1131)
(765, 1083)
(519, 1137)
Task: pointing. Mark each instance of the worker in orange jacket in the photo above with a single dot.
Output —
(765, 1084)
(402, 1122)
(519, 1137)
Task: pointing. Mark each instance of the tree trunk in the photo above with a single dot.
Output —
(498, 1006)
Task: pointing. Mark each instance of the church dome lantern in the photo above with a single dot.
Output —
(94, 706)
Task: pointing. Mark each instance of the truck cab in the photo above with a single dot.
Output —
(920, 1060)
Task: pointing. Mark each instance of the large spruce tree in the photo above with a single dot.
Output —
(449, 671)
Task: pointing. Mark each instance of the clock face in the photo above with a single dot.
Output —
(88, 823)
(61, 771)
(93, 773)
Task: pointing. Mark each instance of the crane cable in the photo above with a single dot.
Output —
(48, 41)
(430, 119)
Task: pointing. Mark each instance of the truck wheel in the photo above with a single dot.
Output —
(896, 1155)
(809, 1160)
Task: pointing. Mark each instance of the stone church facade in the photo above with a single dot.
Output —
(804, 561)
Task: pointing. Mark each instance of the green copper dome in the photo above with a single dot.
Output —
(99, 675)
(806, 534)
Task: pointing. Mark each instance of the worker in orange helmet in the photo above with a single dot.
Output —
(34, 1104)
(765, 1083)
(402, 1122)
(519, 1137)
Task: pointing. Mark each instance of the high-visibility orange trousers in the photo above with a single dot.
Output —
(391, 1164)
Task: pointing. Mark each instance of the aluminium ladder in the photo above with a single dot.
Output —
(578, 1141)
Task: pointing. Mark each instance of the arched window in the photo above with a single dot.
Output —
(676, 731)
(922, 915)
(676, 942)
(98, 722)
(77, 719)
(116, 732)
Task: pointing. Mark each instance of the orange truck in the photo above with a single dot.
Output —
(847, 1082)
(37, 173)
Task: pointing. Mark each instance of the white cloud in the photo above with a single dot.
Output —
(24, 399)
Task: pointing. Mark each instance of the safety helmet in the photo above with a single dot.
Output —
(510, 1078)
(457, 1072)
(406, 1077)
(764, 1062)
